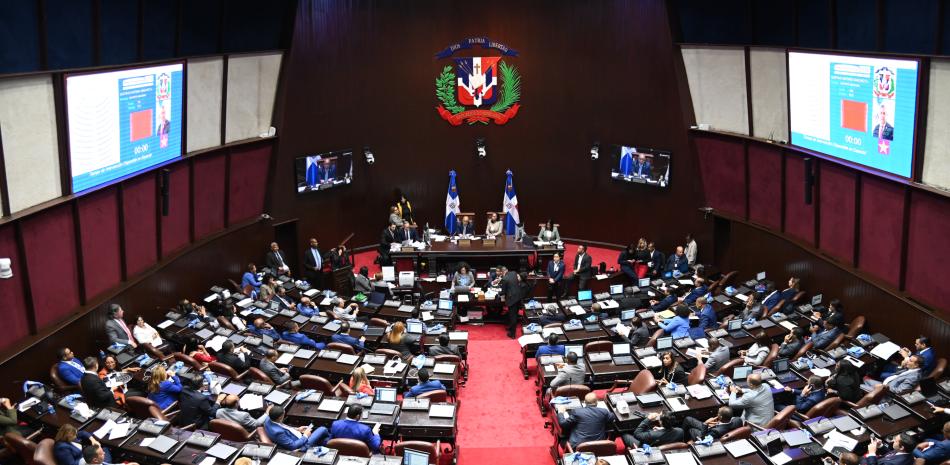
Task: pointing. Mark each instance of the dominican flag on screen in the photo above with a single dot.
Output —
(510, 206)
(452, 201)
(313, 173)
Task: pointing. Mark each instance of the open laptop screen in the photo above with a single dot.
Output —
(616, 289)
(445, 304)
(741, 373)
(664, 343)
(386, 394)
(577, 349)
(780, 365)
(414, 457)
(585, 295)
(644, 282)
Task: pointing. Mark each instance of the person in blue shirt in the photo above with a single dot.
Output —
(289, 437)
(921, 347)
(70, 369)
(777, 296)
(351, 428)
(677, 261)
(306, 307)
(706, 314)
(261, 328)
(344, 337)
(164, 387)
(678, 326)
(807, 397)
(935, 451)
(424, 385)
(821, 339)
(250, 278)
(698, 291)
(553, 348)
(292, 334)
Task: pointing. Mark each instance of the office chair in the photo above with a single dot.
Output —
(598, 346)
(727, 278)
(318, 383)
(23, 447)
(389, 353)
(773, 353)
(825, 408)
(937, 373)
(697, 375)
(378, 322)
(674, 446)
(728, 367)
(644, 382)
(342, 348)
(44, 453)
(742, 432)
(255, 374)
(779, 421)
(225, 323)
(351, 447)
(226, 370)
(601, 448)
(231, 431)
(856, 326)
(188, 360)
(804, 350)
(873, 397)
(835, 343)
(439, 395)
(434, 450)
(61, 386)
(143, 407)
(656, 335)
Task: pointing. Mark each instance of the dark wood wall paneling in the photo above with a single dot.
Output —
(617, 89)
(859, 221)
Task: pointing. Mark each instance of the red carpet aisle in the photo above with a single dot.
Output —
(499, 421)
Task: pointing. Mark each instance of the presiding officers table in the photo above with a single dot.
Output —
(478, 253)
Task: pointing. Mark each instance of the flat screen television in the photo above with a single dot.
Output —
(640, 165)
(861, 109)
(323, 171)
(123, 122)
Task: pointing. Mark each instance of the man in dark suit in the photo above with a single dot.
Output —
(641, 167)
(515, 291)
(94, 390)
(582, 269)
(276, 260)
(116, 330)
(406, 233)
(344, 337)
(234, 357)
(269, 366)
(194, 407)
(807, 397)
(888, 133)
(677, 262)
(935, 451)
(555, 276)
(444, 348)
(313, 264)
(657, 260)
(900, 454)
(656, 430)
(386, 238)
(465, 227)
(716, 426)
(775, 297)
(587, 423)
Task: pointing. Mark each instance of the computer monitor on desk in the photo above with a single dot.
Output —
(644, 282)
(414, 457)
(385, 394)
(577, 349)
(664, 343)
(585, 295)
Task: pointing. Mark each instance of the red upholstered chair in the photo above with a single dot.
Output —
(825, 408)
(343, 348)
(572, 390)
(230, 430)
(727, 368)
(22, 446)
(656, 335)
(143, 407)
(643, 382)
(225, 323)
(674, 446)
(743, 432)
(262, 436)
(254, 374)
(598, 448)
(58, 383)
(378, 322)
(856, 326)
(873, 397)
(773, 353)
(727, 278)
(389, 353)
(434, 450)
(780, 420)
(598, 346)
(317, 382)
(188, 360)
(225, 370)
(439, 395)
(804, 350)
(44, 453)
(697, 375)
(837, 342)
(352, 447)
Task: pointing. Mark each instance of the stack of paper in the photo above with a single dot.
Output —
(533, 338)
(285, 358)
(885, 350)
(251, 402)
(740, 448)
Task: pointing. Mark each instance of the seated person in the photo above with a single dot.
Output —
(834, 312)
(444, 348)
(361, 282)
(902, 447)
(351, 428)
(775, 297)
(465, 226)
(463, 277)
(755, 401)
(587, 423)
(904, 380)
(344, 312)
(401, 341)
(655, 430)
(707, 316)
(845, 381)
(201, 354)
(921, 348)
(669, 298)
(677, 262)
(551, 316)
(306, 307)
(751, 311)
(260, 328)
(283, 300)
(823, 338)
(809, 396)
(68, 445)
(109, 366)
(269, 366)
(359, 382)
(669, 371)
(791, 344)
(94, 389)
(234, 357)
(69, 367)
(716, 355)
(699, 290)
(231, 411)
(289, 437)
(145, 334)
(639, 333)
(935, 451)
(756, 354)
(552, 348)
(716, 426)
(164, 387)
(292, 334)
(424, 385)
(195, 407)
(344, 337)
(549, 232)
(678, 326)
(572, 372)
(95, 454)
(494, 227)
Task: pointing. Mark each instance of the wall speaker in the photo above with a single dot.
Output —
(165, 189)
(809, 178)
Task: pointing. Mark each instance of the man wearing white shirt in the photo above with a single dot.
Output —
(691, 249)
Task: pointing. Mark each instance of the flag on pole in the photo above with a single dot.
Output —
(452, 202)
(510, 206)
(313, 173)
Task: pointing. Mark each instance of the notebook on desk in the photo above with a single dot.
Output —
(442, 411)
(414, 403)
(380, 408)
(162, 444)
(221, 451)
(595, 357)
(331, 405)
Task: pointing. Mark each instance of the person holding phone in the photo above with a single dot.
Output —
(351, 428)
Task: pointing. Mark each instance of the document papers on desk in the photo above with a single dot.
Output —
(885, 350)
(533, 338)
(601, 277)
(836, 439)
(285, 358)
(650, 362)
(251, 402)
(680, 458)
(221, 451)
(577, 309)
(165, 324)
(216, 343)
(104, 429)
(699, 391)
(740, 448)
(462, 297)
(281, 458)
(277, 397)
(348, 359)
(120, 430)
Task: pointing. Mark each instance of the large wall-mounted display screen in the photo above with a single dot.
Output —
(639, 165)
(123, 122)
(315, 173)
(856, 108)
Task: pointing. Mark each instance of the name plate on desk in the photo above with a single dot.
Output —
(407, 249)
(488, 242)
(465, 242)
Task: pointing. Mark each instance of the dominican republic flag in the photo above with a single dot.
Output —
(452, 202)
(313, 171)
(510, 206)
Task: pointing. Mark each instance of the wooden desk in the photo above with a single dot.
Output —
(332, 370)
(301, 413)
(604, 373)
(883, 427)
(192, 455)
(95, 424)
(755, 458)
(136, 452)
(446, 255)
(388, 423)
(583, 336)
(418, 425)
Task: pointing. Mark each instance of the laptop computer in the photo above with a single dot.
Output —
(595, 357)
(414, 327)
(795, 438)
(616, 289)
(845, 423)
(627, 315)
(782, 372)
(621, 349)
(373, 331)
(414, 457)
(577, 349)
(585, 296)
(741, 373)
(734, 327)
(664, 344)
(643, 282)
(382, 408)
(895, 412)
(375, 300)
(445, 307)
(162, 444)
